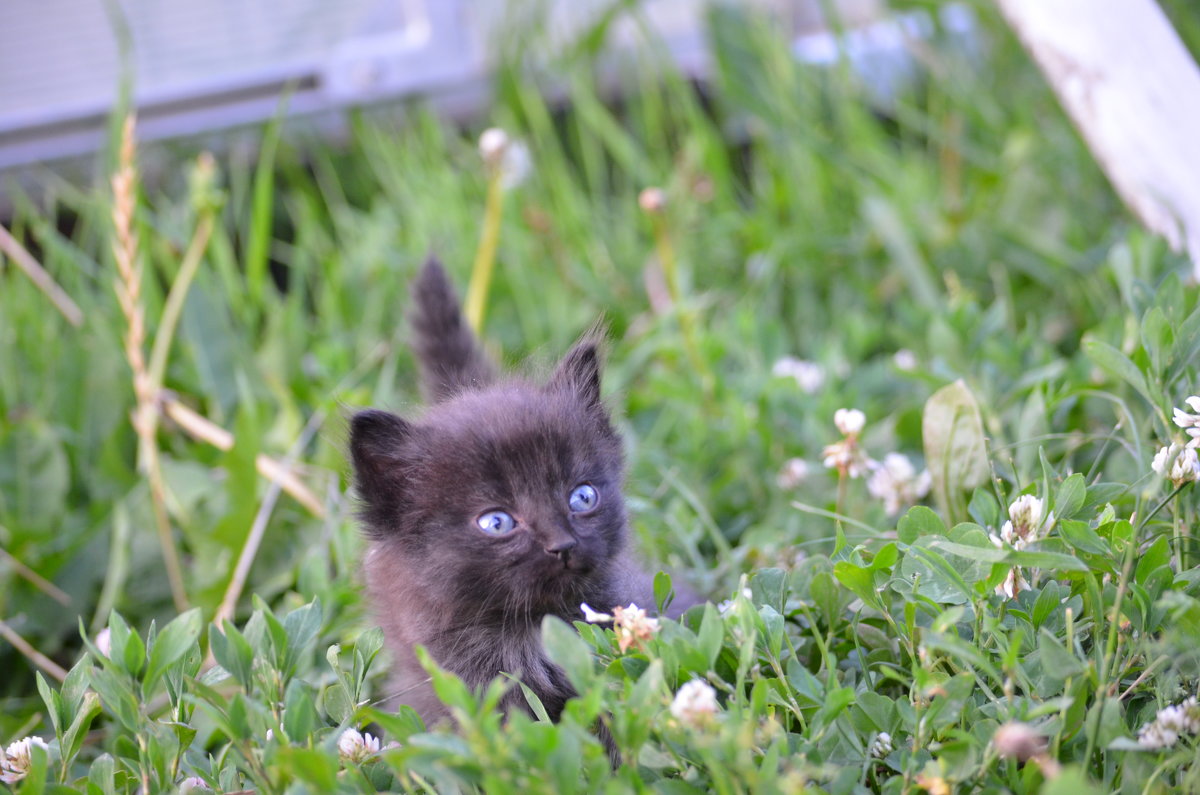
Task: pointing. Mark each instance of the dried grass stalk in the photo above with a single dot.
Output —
(129, 296)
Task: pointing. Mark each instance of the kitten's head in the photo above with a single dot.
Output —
(507, 499)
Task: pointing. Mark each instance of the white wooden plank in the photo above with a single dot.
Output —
(1133, 91)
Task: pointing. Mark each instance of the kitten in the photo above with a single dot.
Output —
(501, 505)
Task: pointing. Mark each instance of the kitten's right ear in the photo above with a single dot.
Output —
(377, 440)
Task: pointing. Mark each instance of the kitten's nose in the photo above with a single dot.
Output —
(561, 547)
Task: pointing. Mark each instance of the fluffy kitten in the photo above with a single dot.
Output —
(501, 505)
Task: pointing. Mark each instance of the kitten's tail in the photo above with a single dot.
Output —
(450, 356)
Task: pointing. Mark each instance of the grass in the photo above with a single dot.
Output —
(964, 223)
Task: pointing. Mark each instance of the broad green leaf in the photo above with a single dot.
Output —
(663, 593)
(1158, 554)
(171, 645)
(565, 647)
(919, 521)
(1056, 660)
(859, 580)
(955, 446)
(232, 652)
(126, 647)
(1083, 538)
(1119, 365)
(1070, 497)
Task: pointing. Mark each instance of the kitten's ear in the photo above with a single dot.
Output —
(377, 441)
(579, 372)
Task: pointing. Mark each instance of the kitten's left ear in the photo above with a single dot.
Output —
(579, 372)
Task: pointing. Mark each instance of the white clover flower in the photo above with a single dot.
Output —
(849, 422)
(1014, 582)
(809, 376)
(846, 457)
(794, 471)
(505, 157)
(1027, 523)
(652, 200)
(592, 617)
(881, 746)
(1019, 741)
(904, 360)
(355, 747)
(1190, 421)
(633, 626)
(193, 783)
(1170, 724)
(695, 704)
(724, 607)
(16, 760)
(104, 642)
(897, 483)
(1177, 464)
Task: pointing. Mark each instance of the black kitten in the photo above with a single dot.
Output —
(500, 506)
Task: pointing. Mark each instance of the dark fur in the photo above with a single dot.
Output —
(475, 601)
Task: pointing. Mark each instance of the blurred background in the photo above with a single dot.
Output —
(859, 202)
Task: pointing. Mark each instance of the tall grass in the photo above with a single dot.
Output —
(964, 224)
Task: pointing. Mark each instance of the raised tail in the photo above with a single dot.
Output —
(450, 357)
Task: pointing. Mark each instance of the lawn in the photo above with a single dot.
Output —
(949, 261)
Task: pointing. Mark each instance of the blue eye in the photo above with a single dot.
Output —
(583, 499)
(496, 523)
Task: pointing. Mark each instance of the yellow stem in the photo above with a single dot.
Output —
(485, 255)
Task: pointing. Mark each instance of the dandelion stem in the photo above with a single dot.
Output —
(485, 255)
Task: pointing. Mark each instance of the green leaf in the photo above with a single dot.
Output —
(663, 593)
(117, 697)
(767, 585)
(919, 521)
(336, 703)
(101, 775)
(565, 647)
(1056, 660)
(301, 626)
(1084, 538)
(984, 509)
(955, 445)
(127, 649)
(450, 689)
(1118, 365)
(316, 767)
(1070, 497)
(300, 718)
(232, 652)
(53, 702)
(712, 634)
(73, 738)
(175, 640)
(1071, 781)
(1159, 554)
(1031, 558)
(860, 581)
(1157, 338)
